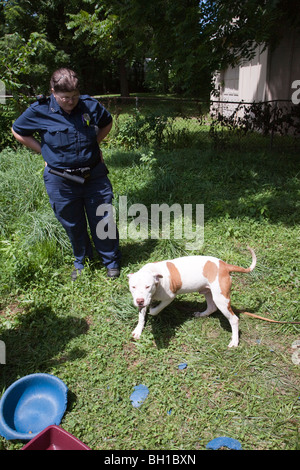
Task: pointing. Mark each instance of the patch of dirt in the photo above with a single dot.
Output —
(11, 310)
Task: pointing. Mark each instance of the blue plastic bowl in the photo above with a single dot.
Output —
(31, 404)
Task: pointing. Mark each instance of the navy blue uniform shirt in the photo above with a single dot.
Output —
(67, 140)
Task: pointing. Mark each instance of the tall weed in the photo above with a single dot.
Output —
(31, 239)
(21, 187)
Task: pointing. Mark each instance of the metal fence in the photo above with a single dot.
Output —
(271, 125)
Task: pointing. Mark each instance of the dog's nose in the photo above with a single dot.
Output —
(140, 302)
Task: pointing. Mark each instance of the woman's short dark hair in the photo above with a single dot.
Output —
(64, 80)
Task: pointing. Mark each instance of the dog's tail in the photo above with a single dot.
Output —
(253, 315)
(232, 268)
(238, 269)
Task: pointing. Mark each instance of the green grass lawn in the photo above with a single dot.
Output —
(81, 331)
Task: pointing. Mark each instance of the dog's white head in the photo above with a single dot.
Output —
(142, 286)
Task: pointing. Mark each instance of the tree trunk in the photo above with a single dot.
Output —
(124, 86)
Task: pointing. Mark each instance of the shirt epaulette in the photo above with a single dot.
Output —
(41, 99)
(87, 98)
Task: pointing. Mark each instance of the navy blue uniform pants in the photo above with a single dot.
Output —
(74, 204)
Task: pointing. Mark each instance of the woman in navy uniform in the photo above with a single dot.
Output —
(71, 127)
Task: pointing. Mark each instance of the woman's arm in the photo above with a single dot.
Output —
(102, 133)
(28, 141)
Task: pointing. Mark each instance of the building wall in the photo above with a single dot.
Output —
(253, 76)
(246, 82)
(230, 84)
(269, 76)
(283, 67)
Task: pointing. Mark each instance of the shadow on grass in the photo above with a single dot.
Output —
(34, 345)
(137, 252)
(165, 325)
(261, 184)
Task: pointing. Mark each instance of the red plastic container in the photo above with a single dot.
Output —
(55, 438)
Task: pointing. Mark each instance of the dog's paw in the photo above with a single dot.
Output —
(136, 334)
(233, 344)
(199, 314)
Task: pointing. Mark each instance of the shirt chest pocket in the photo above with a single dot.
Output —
(60, 136)
(88, 134)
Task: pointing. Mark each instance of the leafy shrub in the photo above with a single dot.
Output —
(151, 130)
(137, 130)
(266, 119)
(7, 116)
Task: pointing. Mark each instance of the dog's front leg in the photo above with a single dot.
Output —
(155, 310)
(140, 326)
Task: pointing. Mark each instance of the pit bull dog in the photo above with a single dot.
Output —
(163, 280)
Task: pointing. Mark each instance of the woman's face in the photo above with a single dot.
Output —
(67, 100)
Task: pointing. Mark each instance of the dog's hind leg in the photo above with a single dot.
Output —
(210, 307)
(223, 305)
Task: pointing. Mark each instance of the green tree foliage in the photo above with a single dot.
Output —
(107, 31)
(236, 28)
(163, 32)
(165, 45)
(24, 62)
